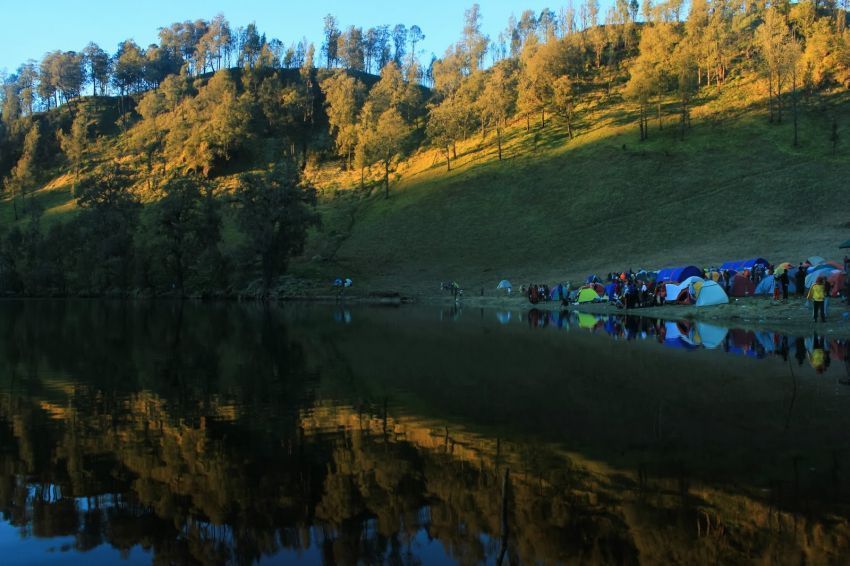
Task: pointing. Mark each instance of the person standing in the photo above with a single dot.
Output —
(784, 281)
(827, 292)
(816, 295)
(800, 280)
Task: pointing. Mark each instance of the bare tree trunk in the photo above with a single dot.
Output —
(794, 101)
(660, 123)
(499, 141)
(770, 96)
(448, 159)
(386, 179)
(543, 117)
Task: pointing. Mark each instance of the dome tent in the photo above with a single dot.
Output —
(678, 274)
(711, 294)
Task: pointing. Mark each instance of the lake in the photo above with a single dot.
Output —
(227, 433)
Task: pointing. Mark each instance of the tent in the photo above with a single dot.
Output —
(684, 297)
(784, 266)
(678, 274)
(845, 245)
(834, 276)
(592, 279)
(710, 293)
(837, 279)
(587, 295)
(816, 260)
(821, 267)
(558, 291)
(505, 284)
(766, 285)
(743, 264)
(742, 287)
(598, 287)
(689, 285)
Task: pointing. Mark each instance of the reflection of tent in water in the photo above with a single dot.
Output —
(709, 336)
(710, 293)
(677, 335)
(503, 316)
(587, 321)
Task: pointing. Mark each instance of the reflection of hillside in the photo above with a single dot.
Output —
(370, 482)
(209, 437)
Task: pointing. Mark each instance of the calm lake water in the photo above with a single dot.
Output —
(320, 434)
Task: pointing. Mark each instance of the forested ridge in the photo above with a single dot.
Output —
(195, 165)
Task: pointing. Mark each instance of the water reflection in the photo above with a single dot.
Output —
(232, 434)
(818, 350)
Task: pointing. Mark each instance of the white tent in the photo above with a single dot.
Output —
(711, 294)
(689, 284)
(505, 284)
(812, 277)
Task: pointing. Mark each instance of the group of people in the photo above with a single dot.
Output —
(540, 293)
(630, 290)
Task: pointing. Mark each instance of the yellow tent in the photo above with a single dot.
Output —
(587, 295)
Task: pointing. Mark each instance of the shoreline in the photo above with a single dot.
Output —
(748, 313)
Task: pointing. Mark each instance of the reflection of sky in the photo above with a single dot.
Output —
(16, 549)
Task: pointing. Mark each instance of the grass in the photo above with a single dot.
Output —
(557, 209)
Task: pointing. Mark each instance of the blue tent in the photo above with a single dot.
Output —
(743, 264)
(766, 285)
(609, 291)
(593, 279)
(678, 274)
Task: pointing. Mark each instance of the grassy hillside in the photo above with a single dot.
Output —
(556, 208)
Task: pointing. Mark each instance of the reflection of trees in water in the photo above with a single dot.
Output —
(199, 435)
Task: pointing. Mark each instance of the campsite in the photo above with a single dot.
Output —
(742, 292)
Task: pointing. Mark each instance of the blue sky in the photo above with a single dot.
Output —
(33, 27)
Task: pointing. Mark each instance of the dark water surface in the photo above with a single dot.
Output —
(319, 434)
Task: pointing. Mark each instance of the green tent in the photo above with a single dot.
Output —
(587, 295)
(845, 245)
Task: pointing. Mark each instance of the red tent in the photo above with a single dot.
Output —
(742, 287)
(836, 279)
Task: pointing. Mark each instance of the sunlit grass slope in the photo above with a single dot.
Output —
(556, 208)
